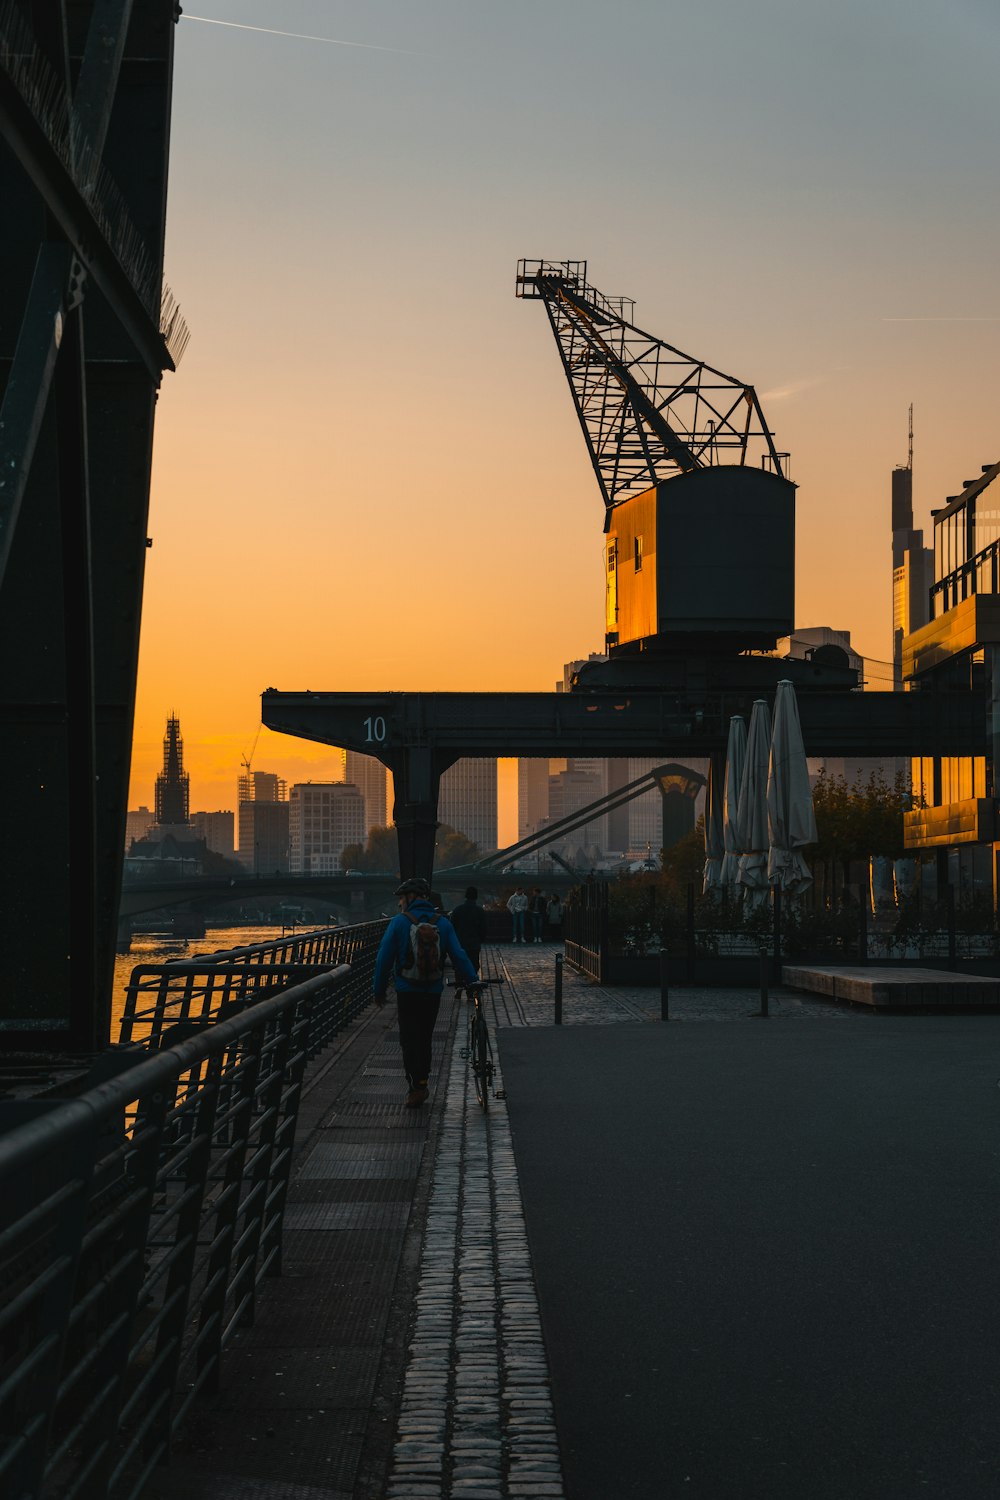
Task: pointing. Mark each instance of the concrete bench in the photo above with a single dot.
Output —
(895, 989)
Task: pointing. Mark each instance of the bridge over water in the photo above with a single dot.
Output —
(341, 890)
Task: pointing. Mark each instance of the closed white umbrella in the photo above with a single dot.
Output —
(751, 813)
(715, 847)
(736, 754)
(790, 816)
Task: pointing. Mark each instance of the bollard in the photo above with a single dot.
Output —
(559, 967)
(763, 982)
(664, 994)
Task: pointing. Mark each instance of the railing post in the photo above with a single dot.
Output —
(862, 927)
(664, 985)
(763, 981)
(949, 896)
(602, 956)
(776, 936)
(559, 988)
(690, 934)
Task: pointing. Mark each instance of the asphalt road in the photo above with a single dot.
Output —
(767, 1255)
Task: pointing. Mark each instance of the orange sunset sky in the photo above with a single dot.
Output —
(368, 472)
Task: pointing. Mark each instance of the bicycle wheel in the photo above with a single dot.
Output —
(481, 1065)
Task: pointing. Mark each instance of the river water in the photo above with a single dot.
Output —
(157, 948)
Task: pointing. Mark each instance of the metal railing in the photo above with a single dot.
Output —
(141, 1216)
(585, 931)
(188, 993)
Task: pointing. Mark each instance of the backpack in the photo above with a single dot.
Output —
(423, 962)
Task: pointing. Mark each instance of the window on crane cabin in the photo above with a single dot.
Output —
(637, 554)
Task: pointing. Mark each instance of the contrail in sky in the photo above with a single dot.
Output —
(298, 36)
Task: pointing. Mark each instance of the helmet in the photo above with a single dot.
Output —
(415, 886)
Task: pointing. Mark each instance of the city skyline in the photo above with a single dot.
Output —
(808, 261)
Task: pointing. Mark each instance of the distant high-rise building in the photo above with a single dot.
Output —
(574, 666)
(532, 794)
(172, 784)
(137, 823)
(260, 786)
(323, 817)
(369, 776)
(266, 789)
(645, 813)
(617, 777)
(217, 829)
(569, 792)
(265, 837)
(596, 767)
(467, 800)
(912, 565)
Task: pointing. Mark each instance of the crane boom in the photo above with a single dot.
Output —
(647, 410)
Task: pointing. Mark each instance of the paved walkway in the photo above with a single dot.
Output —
(765, 1255)
(401, 1353)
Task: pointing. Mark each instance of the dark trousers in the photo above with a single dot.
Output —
(417, 1014)
(472, 954)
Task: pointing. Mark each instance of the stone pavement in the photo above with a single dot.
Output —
(529, 1000)
(400, 1354)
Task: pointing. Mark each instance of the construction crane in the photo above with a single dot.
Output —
(647, 410)
(699, 511)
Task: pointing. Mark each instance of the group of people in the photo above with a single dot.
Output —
(414, 949)
(532, 912)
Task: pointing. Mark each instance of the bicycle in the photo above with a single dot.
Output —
(480, 1049)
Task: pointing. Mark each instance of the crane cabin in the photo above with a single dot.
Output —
(705, 557)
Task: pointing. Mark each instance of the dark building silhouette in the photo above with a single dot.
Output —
(912, 565)
(172, 784)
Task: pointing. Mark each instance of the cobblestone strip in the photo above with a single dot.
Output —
(476, 1421)
(419, 1467)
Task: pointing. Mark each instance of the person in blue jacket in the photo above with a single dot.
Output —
(417, 1001)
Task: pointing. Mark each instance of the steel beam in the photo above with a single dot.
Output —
(30, 381)
(95, 192)
(418, 735)
(391, 726)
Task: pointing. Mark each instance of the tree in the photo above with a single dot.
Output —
(452, 848)
(684, 862)
(855, 822)
(381, 854)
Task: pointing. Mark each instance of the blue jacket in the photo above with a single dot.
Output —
(393, 949)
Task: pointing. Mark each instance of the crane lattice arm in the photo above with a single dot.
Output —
(647, 410)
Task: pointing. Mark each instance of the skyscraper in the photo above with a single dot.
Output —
(569, 792)
(172, 785)
(645, 813)
(912, 565)
(468, 800)
(369, 776)
(532, 794)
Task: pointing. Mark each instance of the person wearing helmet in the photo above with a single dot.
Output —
(418, 996)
